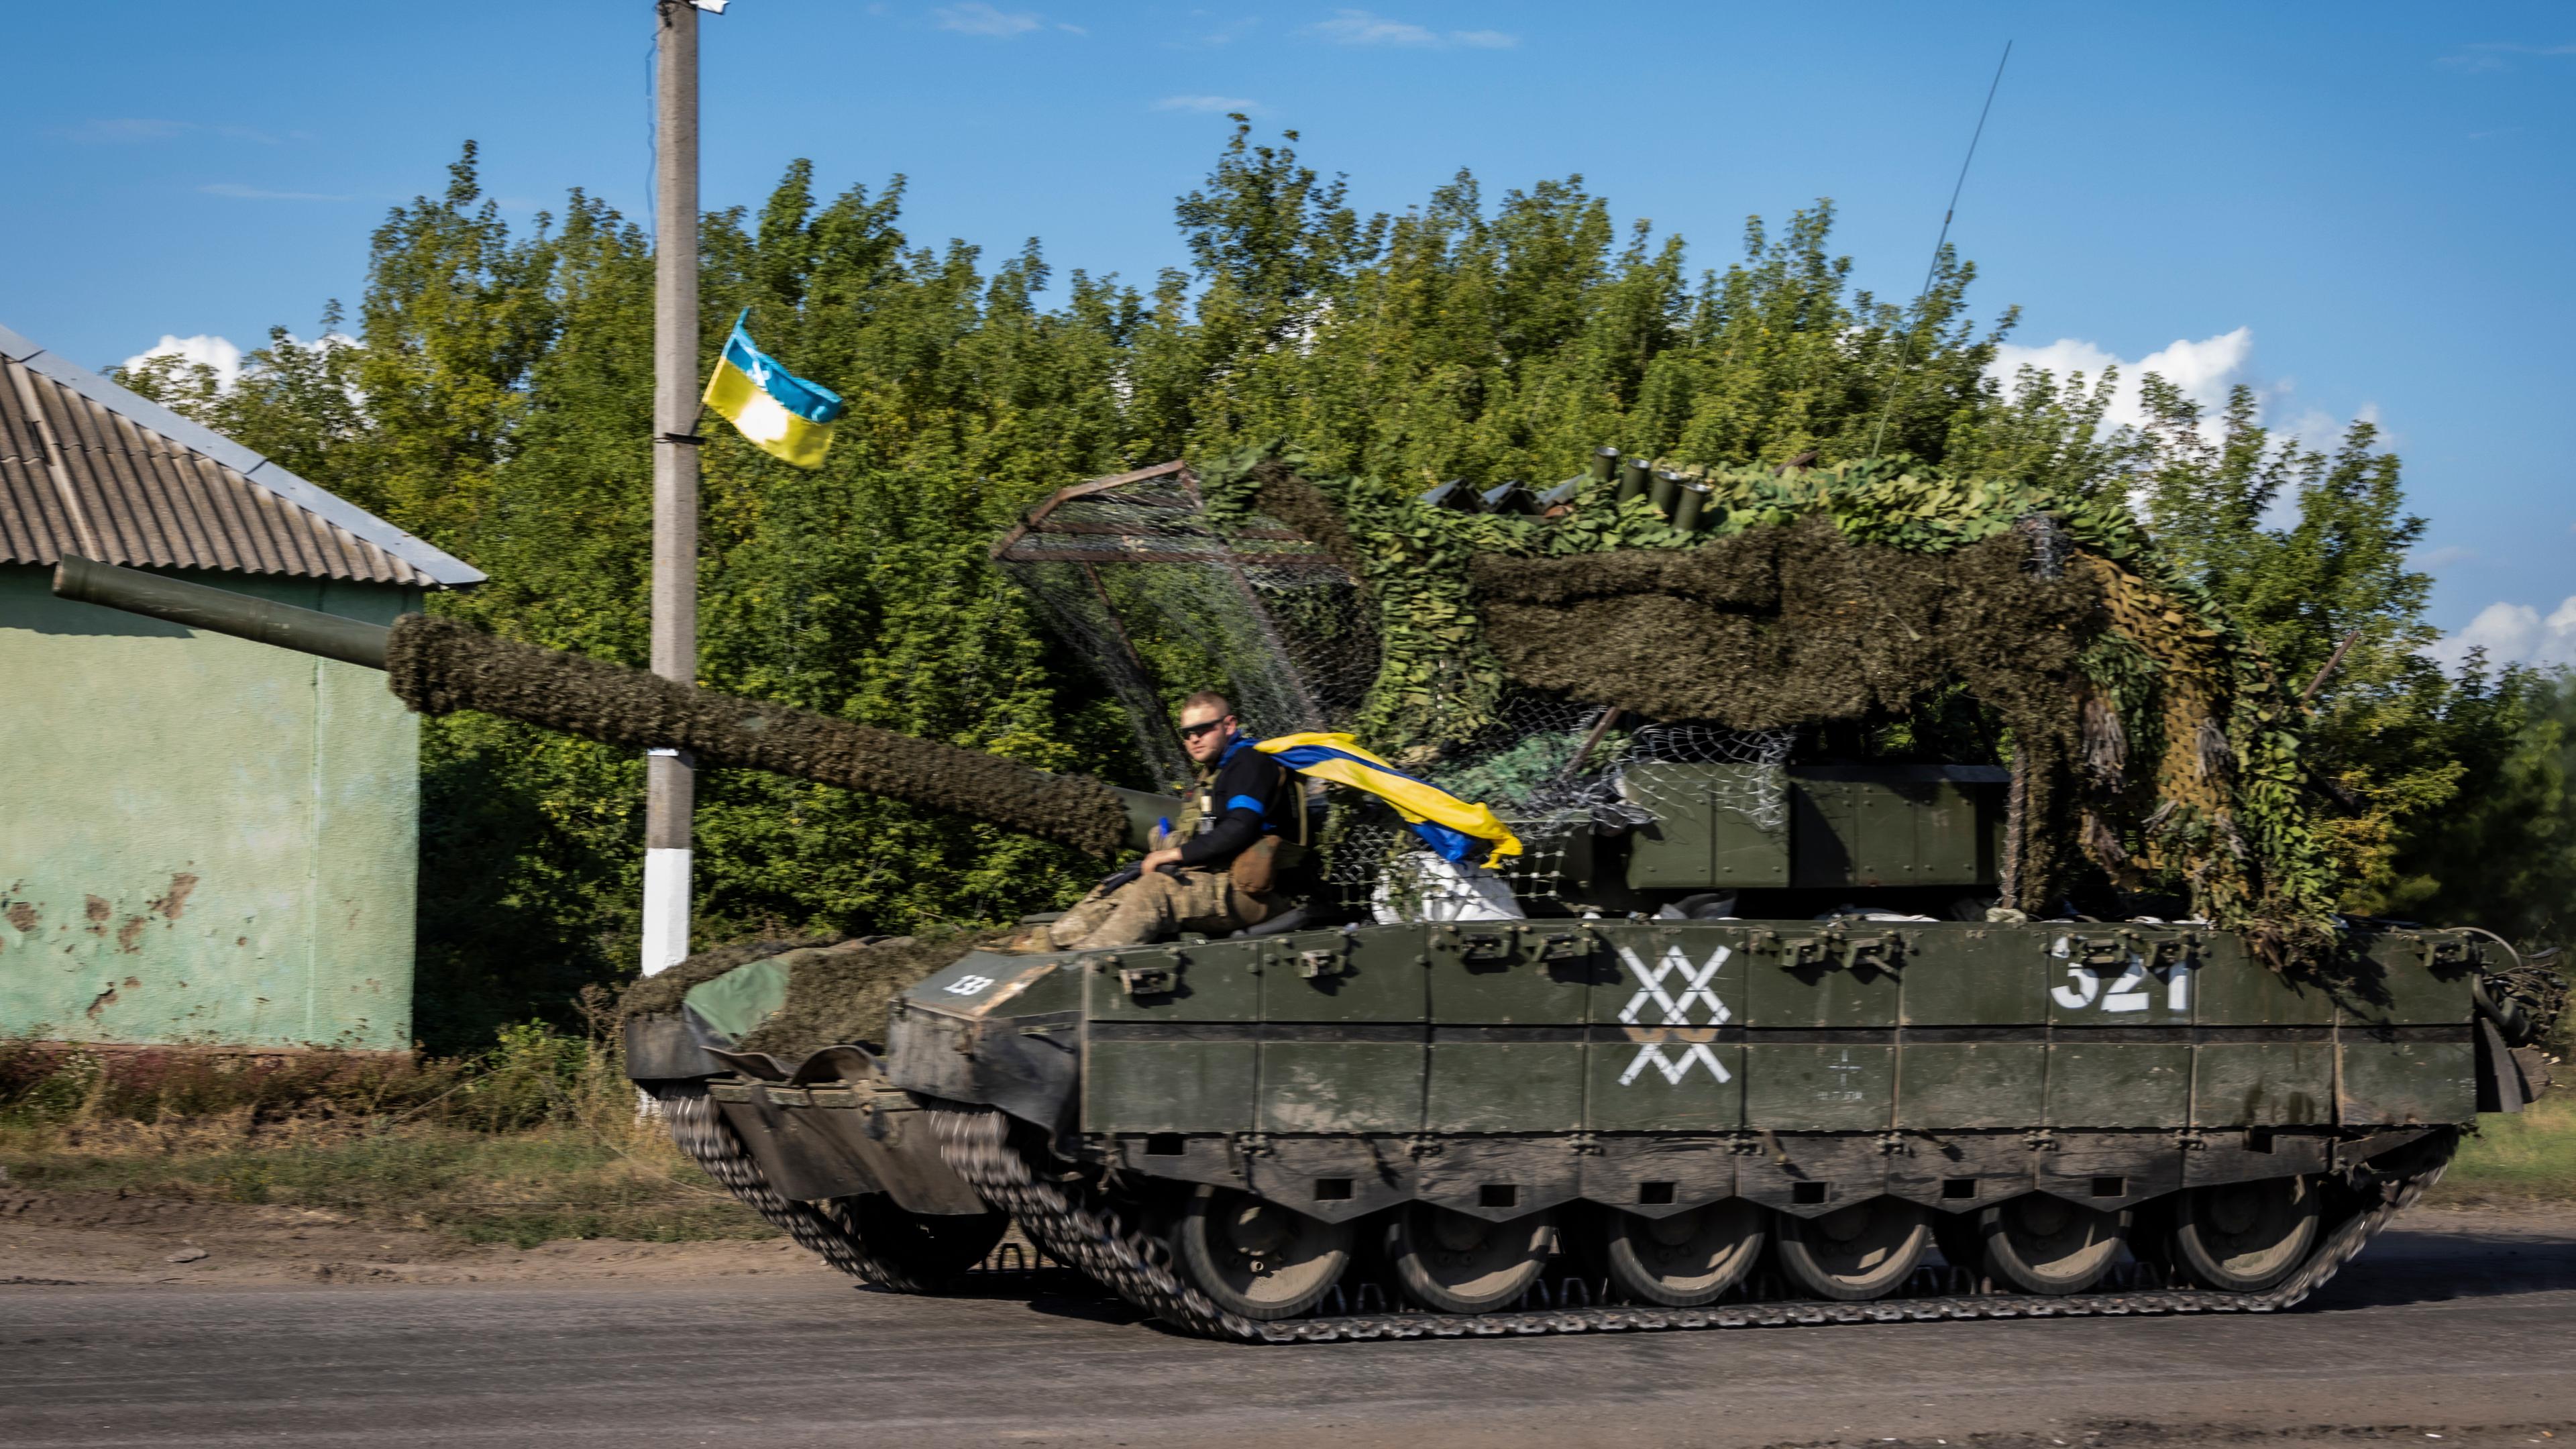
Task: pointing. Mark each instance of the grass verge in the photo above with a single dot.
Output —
(534, 1140)
(2522, 1160)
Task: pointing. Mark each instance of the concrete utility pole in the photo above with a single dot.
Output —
(671, 776)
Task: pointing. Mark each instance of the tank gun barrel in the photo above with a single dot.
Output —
(438, 665)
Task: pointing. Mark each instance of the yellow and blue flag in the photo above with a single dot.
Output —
(1449, 825)
(782, 414)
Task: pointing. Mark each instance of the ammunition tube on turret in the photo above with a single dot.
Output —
(1690, 508)
(1666, 492)
(1604, 461)
(1633, 477)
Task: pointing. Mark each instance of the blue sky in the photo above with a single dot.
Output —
(2356, 208)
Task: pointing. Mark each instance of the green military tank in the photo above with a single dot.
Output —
(1913, 919)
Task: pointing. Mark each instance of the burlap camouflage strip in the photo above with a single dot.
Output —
(438, 665)
(1786, 626)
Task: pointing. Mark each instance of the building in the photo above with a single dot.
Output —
(203, 841)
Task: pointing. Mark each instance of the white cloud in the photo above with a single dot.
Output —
(216, 352)
(2514, 634)
(1361, 27)
(974, 17)
(260, 193)
(221, 354)
(2205, 371)
(1208, 105)
(2444, 557)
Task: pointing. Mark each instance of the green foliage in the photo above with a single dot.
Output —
(2517, 1160)
(2502, 850)
(494, 398)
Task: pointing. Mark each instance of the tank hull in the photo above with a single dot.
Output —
(1798, 1075)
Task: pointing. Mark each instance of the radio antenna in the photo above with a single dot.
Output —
(1933, 268)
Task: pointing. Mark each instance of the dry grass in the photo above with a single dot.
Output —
(534, 1140)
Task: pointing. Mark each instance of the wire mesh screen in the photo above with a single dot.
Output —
(1164, 600)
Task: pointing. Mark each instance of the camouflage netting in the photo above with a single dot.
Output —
(1164, 601)
(2148, 734)
(843, 994)
(437, 665)
(1795, 624)
(838, 991)
(659, 994)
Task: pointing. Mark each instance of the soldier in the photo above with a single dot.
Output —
(1250, 823)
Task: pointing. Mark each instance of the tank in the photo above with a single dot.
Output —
(1740, 1037)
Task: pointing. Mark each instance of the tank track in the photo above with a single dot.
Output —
(702, 1132)
(1072, 1225)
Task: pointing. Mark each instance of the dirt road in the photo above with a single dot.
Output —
(2457, 1324)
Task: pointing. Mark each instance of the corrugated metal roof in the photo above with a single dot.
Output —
(89, 468)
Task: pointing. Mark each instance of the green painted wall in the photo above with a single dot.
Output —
(202, 839)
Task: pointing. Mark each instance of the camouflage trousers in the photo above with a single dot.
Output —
(1157, 907)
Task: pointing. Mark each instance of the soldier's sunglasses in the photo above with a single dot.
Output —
(1191, 732)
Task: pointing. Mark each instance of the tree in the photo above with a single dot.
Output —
(2502, 851)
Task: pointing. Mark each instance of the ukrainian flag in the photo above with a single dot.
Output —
(782, 414)
(1449, 825)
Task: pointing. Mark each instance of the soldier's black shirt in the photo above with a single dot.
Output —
(1255, 796)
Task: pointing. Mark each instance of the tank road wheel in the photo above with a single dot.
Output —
(1687, 1258)
(2043, 1244)
(1862, 1251)
(2243, 1237)
(929, 1247)
(1256, 1258)
(1454, 1262)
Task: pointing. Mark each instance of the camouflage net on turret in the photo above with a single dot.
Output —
(2150, 736)
(1168, 589)
(437, 665)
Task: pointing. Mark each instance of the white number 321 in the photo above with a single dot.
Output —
(2128, 992)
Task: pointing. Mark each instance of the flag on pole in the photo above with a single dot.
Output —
(1449, 825)
(782, 414)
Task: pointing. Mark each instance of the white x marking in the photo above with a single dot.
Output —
(1650, 987)
(1674, 1069)
(1677, 1011)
